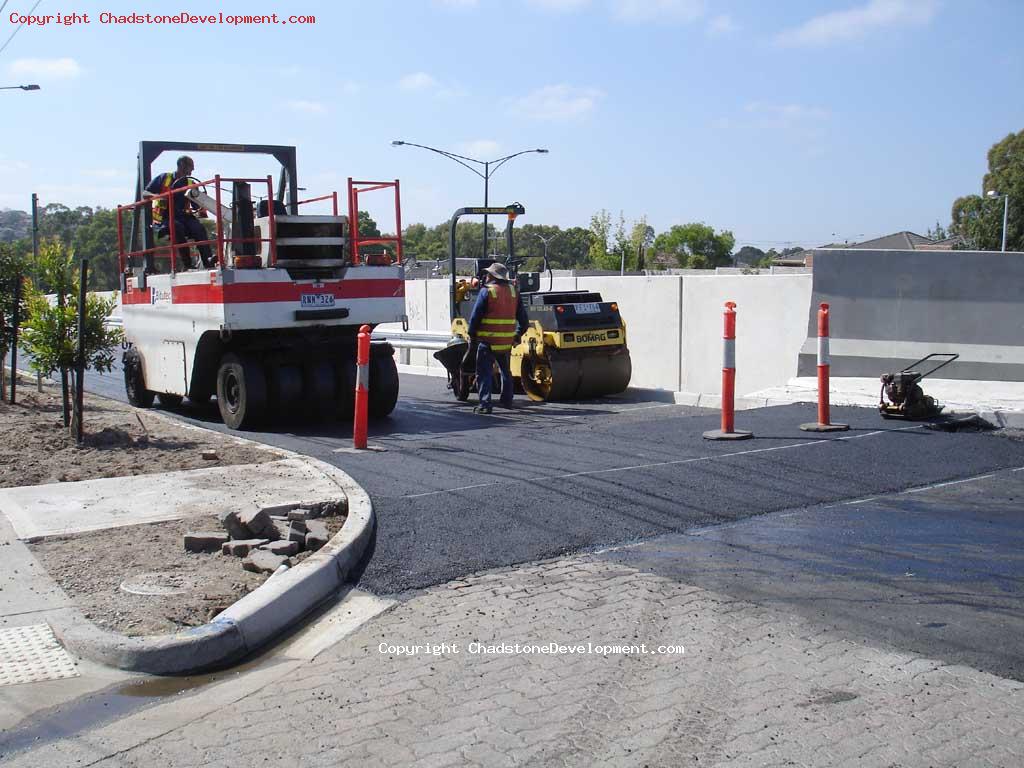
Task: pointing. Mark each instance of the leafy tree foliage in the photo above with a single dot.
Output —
(697, 246)
(600, 230)
(13, 267)
(50, 330)
(979, 220)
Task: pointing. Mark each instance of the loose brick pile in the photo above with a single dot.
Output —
(268, 537)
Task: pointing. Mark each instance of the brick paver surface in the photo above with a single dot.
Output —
(754, 687)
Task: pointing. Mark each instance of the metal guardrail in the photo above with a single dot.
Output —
(413, 339)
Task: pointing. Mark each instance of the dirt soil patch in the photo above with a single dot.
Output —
(112, 575)
(119, 440)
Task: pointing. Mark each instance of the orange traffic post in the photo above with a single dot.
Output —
(728, 430)
(824, 423)
(362, 387)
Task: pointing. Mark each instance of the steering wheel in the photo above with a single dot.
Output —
(197, 210)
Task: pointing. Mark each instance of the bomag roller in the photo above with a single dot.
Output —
(575, 346)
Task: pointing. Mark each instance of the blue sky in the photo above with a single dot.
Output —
(786, 122)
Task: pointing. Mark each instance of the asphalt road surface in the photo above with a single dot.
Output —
(456, 492)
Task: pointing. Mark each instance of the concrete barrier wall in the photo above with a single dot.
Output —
(674, 326)
(890, 308)
(769, 329)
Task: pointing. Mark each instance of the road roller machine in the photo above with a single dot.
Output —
(270, 326)
(575, 347)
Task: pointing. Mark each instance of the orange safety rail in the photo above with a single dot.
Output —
(217, 241)
(332, 197)
(354, 189)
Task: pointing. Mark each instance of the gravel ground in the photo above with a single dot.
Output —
(92, 567)
(119, 440)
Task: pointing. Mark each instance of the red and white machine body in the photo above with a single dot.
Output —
(166, 319)
(270, 324)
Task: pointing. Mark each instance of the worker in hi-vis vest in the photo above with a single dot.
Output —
(186, 225)
(498, 320)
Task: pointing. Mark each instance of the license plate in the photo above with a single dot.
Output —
(318, 299)
(587, 309)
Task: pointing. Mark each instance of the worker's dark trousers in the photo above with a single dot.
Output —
(189, 228)
(485, 360)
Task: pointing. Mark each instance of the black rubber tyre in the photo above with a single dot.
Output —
(284, 390)
(134, 380)
(345, 392)
(169, 401)
(320, 395)
(241, 391)
(383, 386)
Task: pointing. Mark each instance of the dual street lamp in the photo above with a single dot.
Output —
(489, 167)
(993, 195)
(32, 87)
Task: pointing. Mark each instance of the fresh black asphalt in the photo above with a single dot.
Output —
(455, 492)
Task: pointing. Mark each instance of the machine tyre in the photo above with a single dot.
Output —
(461, 386)
(320, 388)
(383, 386)
(285, 390)
(168, 400)
(345, 399)
(135, 382)
(241, 391)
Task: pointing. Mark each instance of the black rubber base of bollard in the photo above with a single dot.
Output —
(814, 427)
(717, 434)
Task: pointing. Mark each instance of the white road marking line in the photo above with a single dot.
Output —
(951, 482)
(1018, 469)
(453, 490)
(657, 464)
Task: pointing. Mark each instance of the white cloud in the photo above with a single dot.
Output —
(559, 6)
(46, 68)
(481, 148)
(350, 87)
(308, 107)
(682, 11)
(721, 26)
(557, 102)
(417, 81)
(805, 125)
(855, 23)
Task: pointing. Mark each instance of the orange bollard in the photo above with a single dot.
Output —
(824, 423)
(728, 430)
(362, 388)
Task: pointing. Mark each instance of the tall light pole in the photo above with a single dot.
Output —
(32, 87)
(993, 195)
(546, 240)
(489, 166)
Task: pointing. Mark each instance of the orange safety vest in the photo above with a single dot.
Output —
(498, 326)
(160, 206)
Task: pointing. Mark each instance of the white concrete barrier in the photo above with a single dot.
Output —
(673, 325)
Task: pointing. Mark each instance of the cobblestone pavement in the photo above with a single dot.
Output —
(754, 687)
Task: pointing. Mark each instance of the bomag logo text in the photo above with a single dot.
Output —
(587, 338)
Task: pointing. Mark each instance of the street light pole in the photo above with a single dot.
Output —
(487, 166)
(992, 194)
(30, 87)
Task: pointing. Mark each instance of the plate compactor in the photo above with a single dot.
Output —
(574, 348)
(906, 399)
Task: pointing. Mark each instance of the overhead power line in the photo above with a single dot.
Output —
(18, 28)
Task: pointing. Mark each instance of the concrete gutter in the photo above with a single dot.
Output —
(266, 612)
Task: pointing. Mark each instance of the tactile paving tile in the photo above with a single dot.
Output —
(32, 654)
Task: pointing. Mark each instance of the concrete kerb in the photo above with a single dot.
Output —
(266, 612)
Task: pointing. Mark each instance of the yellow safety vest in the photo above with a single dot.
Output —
(160, 206)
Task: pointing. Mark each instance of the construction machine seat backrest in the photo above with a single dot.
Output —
(263, 209)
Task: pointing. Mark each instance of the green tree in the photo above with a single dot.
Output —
(697, 246)
(96, 240)
(979, 220)
(749, 255)
(13, 268)
(600, 230)
(50, 330)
